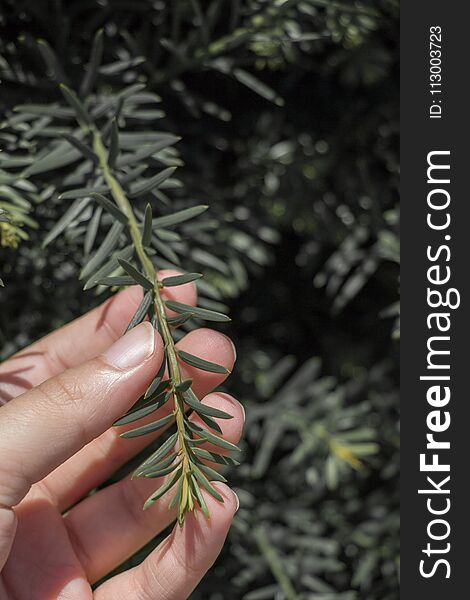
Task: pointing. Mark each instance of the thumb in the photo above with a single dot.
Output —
(45, 426)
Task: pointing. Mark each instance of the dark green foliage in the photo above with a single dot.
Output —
(288, 115)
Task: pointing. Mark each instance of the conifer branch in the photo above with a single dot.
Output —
(110, 182)
(163, 326)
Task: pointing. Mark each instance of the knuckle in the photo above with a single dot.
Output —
(70, 389)
(64, 395)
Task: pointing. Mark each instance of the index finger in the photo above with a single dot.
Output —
(79, 341)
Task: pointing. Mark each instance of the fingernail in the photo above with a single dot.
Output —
(234, 351)
(226, 491)
(243, 411)
(242, 408)
(133, 348)
(233, 347)
(237, 500)
(233, 401)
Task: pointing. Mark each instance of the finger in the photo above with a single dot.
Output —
(97, 461)
(176, 566)
(80, 340)
(45, 426)
(109, 526)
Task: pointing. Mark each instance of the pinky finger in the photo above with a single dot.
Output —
(176, 566)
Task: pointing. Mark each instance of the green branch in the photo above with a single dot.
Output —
(135, 233)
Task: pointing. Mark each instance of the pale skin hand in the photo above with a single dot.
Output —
(60, 397)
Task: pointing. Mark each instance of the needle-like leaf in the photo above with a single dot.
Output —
(109, 244)
(160, 453)
(180, 279)
(180, 216)
(180, 319)
(147, 230)
(146, 410)
(81, 147)
(214, 439)
(93, 65)
(71, 97)
(148, 428)
(141, 311)
(199, 475)
(162, 464)
(212, 474)
(110, 207)
(200, 313)
(160, 472)
(203, 409)
(200, 363)
(118, 281)
(135, 274)
(169, 483)
(149, 184)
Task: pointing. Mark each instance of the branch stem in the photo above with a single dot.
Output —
(173, 366)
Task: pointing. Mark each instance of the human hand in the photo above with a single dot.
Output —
(62, 395)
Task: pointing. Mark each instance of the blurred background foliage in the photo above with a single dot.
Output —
(288, 112)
